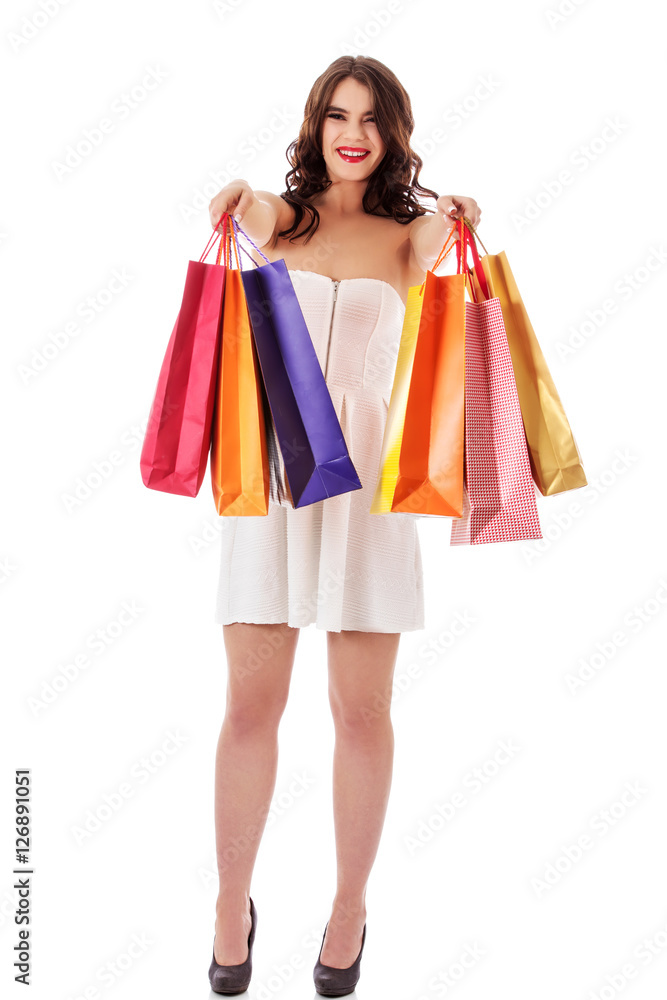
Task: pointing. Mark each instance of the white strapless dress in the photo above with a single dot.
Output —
(333, 563)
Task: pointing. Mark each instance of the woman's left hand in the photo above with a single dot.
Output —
(455, 206)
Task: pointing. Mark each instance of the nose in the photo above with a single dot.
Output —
(361, 134)
(359, 140)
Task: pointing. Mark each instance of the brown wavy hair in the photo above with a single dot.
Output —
(392, 187)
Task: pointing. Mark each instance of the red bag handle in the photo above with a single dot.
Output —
(230, 232)
(225, 239)
(467, 239)
(213, 237)
(462, 266)
(473, 234)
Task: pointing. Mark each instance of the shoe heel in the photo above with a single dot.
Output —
(233, 979)
(332, 982)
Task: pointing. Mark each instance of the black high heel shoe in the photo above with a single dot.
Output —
(333, 982)
(233, 979)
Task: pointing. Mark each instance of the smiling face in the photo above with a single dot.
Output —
(350, 128)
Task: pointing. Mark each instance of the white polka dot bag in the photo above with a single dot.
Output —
(499, 494)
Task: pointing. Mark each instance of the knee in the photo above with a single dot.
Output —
(362, 722)
(255, 717)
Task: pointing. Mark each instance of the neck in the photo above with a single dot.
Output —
(342, 198)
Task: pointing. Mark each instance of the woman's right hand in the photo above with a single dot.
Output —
(236, 195)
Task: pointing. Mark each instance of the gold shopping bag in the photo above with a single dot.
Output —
(554, 457)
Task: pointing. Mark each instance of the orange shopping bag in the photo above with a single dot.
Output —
(239, 454)
(421, 466)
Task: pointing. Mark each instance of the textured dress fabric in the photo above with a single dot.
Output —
(333, 563)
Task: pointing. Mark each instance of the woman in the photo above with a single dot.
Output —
(364, 241)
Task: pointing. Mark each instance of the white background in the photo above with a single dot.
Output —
(138, 205)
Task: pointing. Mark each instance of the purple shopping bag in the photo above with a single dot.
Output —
(313, 453)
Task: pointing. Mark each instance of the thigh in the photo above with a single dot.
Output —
(361, 674)
(259, 665)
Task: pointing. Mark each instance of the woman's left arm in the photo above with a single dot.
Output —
(429, 232)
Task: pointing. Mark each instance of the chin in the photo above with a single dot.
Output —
(339, 170)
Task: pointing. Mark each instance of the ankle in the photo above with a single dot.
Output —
(346, 909)
(233, 900)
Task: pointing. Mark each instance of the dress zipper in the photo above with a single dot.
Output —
(326, 364)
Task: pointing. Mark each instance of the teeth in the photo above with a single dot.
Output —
(347, 153)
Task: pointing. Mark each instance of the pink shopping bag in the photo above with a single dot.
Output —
(499, 493)
(178, 436)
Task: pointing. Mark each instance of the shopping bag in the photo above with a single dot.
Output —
(555, 461)
(239, 456)
(177, 438)
(421, 464)
(308, 456)
(499, 501)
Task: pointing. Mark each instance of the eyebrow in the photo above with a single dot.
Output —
(345, 111)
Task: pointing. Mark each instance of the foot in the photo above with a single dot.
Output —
(232, 929)
(342, 941)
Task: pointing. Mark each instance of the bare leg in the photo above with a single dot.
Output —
(361, 669)
(259, 660)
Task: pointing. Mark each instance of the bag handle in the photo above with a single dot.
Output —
(474, 232)
(462, 266)
(234, 239)
(213, 237)
(229, 239)
(441, 256)
(466, 240)
(231, 242)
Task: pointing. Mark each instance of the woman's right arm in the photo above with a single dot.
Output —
(259, 213)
